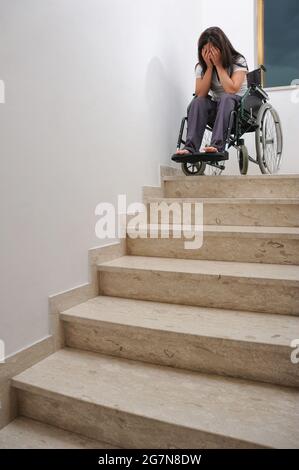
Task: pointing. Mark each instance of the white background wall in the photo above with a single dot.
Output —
(95, 91)
(287, 104)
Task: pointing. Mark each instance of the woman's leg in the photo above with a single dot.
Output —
(198, 114)
(226, 104)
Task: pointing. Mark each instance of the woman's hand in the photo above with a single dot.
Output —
(216, 57)
(203, 84)
(207, 56)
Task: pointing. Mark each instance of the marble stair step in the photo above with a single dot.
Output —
(232, 186)
(136, 405)
(269, 288)
(277, 245)
(25, 433)
(226, 342)
(259, 211)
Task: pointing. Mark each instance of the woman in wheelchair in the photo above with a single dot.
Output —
(220, 83)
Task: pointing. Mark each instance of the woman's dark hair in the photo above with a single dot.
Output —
(218, 38)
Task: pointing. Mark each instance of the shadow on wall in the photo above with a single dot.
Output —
(165, 108)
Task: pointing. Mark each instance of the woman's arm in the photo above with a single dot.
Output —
(203, 85)
(230, 84)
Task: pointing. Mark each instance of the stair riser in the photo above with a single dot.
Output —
(268, 215)
(237, 187)
(202, 290)
(248, 360)
(115, 426)
(221, 248)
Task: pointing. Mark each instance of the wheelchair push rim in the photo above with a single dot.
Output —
(269, 140)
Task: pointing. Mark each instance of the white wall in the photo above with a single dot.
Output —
(95, 90)
(238, 20)
(287, 104)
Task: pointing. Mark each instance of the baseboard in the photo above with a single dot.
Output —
(14, 365)
(158, 191)
(166, 170)
(67, 299)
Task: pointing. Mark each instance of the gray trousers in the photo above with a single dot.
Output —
(202, 111)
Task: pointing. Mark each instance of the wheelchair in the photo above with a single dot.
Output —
(254, 114)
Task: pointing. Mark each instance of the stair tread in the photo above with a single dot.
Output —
(253, 327)
(250, 271)
(227, 200)
(25, 433)
(263, 414)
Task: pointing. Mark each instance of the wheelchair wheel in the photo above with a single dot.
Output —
(268, 139)
(193, 169)
(243, 159)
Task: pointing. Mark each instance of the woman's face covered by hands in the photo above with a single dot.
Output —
(211, 55)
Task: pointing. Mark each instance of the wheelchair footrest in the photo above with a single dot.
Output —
(200, 157)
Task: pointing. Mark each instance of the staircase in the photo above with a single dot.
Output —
(182, 348)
